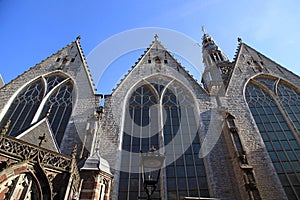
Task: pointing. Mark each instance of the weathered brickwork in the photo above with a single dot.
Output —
(250, 137)
(217, 162)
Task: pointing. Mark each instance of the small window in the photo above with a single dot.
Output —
(165, 61)
(58, 59)
(73, 59)
(157, 60)
(149, 61)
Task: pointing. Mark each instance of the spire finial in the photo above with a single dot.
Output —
(78, 37)
(156, 37)
(203, 30)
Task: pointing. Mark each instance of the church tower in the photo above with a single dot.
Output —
(217, 66)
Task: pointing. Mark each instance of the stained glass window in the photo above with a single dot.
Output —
(290, 99)
(58, 107)
(276, 115)
(52, 94)
(150, 107)
(24, 107)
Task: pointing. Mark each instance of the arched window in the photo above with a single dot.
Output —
(137, 136)
(58, 107)
(50, 96)
(161, 114)
(275, 108)
(21, 186)
(24, 107)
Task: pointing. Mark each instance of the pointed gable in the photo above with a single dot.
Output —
(70, 59)
(76, 93)
(158, 60)
(249, 63)
(250, 59)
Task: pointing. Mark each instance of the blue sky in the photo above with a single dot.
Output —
(31, 30)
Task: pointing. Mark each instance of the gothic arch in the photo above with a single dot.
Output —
(23, 105)
(159, 85)
(275, 106)
(177, 131)
(22, 181)
(51, 95)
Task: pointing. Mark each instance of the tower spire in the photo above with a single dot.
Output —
(156, 37)
(215, 61)
(203, 29)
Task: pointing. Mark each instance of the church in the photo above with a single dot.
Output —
(161, 133)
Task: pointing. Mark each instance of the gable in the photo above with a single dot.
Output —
(40, 134)
(69, 60)
(249, 63)
(157, 60)
(77, 88)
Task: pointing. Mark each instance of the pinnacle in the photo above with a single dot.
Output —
(156, 37)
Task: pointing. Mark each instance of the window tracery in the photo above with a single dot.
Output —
(276, 115)
(23, 107)
(53, 91)
(169, 101)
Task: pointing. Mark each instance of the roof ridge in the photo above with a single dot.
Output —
(270, 59)
(86, 67)
(133, 66)
(36, 65)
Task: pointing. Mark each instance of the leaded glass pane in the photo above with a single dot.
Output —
(58, 107)
(290, 100)
(24, 107)
(278, 136)
(140, 133)
(53, 80)
(185, 175)
(190, 173)
(269, 82)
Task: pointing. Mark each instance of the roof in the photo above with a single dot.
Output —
(96, 162)
(149, 52)
(54, 55)
(1, 81)
(40, 134)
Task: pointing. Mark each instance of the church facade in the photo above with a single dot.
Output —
(235, 135)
